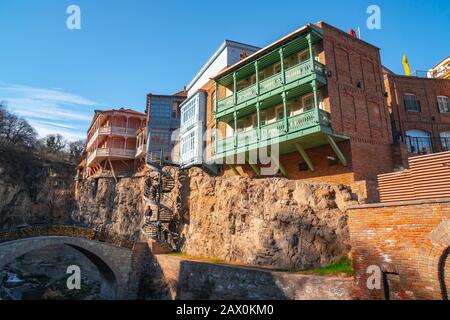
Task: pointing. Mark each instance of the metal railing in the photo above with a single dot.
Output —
(427, 145)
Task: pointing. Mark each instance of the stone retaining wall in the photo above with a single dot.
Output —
(192, 280)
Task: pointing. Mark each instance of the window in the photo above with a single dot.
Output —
(262, 75)
(262, 119)
(276, 68)
(290, 61)
(411, 102)
(240, 85)
(279, 112)
(303, 55)
(308, 102)
(294, 107)
(445, 140)
(241, 125)
(254, 121)
(418, 142)
(175, 107)
(443, 104)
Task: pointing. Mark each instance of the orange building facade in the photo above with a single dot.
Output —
(116, 142)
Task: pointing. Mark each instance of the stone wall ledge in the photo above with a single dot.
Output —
(399, 203)
(233, 265)
(193, 279)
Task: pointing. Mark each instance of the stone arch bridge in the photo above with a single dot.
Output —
(114, 256)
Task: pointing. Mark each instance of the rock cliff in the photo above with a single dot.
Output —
(110, 205)
(271, 222)
(34, 190)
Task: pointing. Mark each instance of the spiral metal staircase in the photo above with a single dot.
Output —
(162, 227)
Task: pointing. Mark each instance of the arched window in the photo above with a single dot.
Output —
(445, 140)
(418, 142)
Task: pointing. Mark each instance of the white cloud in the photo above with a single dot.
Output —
(55, 95)
(67, 134)
(50, 110)
(55, 124)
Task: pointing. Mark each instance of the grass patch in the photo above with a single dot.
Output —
(190, 257)
(343, 267)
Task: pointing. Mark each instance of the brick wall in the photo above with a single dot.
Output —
(409, 242)
(356, 101)
(426, 91)
(429, 119)
(324, 172)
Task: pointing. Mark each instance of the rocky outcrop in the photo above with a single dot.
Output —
(110, 205)
(118, 206)
(271, 222)
(34, 189)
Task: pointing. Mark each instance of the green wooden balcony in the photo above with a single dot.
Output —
(299, 126)
(294, 76)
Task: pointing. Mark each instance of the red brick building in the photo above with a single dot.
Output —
(420, 115)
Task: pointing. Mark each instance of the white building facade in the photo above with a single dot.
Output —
(193, 109)
(192, 126)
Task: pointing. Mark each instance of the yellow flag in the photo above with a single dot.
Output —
(406, 65)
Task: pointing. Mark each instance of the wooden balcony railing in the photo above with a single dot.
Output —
(111, 152)
(115, 130)
(251, 138)
(294, 73)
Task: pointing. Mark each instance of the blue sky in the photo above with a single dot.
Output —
(56, 77)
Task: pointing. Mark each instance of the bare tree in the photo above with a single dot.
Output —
(15, 131)
(2, 113)
(76, 150)
(55, 143)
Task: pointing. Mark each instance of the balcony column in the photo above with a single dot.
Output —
(216, 136)
(126, 125)
(283, 76)
(285, 112)
(310, 46)
(258, 120)
(257, 77)
(235, 129)
(316, 99)
(234, 88)
(216, 95)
